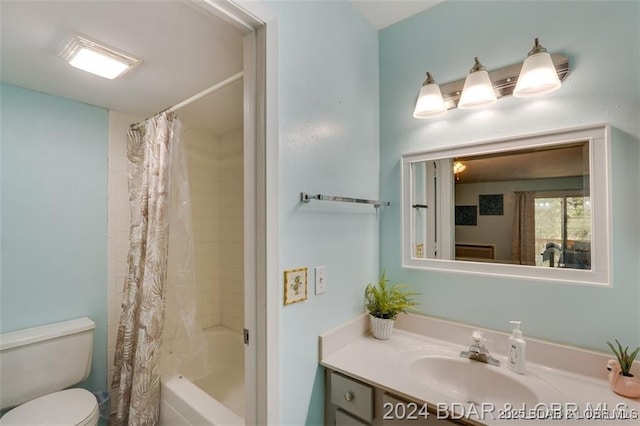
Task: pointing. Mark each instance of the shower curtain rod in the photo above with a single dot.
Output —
(199, 95)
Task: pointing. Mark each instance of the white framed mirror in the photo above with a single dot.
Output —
(532, 206)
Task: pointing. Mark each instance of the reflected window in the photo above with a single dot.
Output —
(563, 232)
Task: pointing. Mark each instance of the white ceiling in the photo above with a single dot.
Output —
(382, 13)
(554, 162)
(185, 50)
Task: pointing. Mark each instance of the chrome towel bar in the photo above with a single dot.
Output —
(305, 198)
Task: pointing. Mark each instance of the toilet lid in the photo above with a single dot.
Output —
(77, 407)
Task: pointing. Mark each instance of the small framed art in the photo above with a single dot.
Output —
(466, 216)
(295, 285)
(491, 205)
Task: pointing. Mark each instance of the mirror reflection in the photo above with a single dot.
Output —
(528, 206)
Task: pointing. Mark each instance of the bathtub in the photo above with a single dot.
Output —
(217, 399)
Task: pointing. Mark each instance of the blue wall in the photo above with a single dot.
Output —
(602, 42)
(54, 215)
(328, 66)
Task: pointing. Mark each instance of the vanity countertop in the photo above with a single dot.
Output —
(581, 396)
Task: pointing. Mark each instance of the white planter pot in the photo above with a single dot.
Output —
(381, 327)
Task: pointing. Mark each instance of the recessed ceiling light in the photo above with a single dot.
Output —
(97, 58)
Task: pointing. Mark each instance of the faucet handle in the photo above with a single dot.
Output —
(478, 337)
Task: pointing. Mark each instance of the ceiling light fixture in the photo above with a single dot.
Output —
(430, 103)
(459, 167)
(97, 58)
(534, 77)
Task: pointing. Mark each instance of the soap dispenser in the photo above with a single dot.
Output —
(517, 346)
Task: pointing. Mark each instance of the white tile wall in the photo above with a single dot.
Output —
(202, 158)
(230, 176)
(216, 179)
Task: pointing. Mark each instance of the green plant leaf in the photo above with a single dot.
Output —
(633, 356)
(387, 301)
(624, 358)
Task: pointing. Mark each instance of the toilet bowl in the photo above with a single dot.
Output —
(71, 407)
(39, 367)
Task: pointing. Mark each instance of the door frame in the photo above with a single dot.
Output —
(261, 221)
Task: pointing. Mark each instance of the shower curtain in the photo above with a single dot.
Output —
(158, 303)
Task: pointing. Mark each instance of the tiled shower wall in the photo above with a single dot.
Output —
(202, 156)
(230, 222)
(216, 178)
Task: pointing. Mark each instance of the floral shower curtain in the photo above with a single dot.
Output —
(137, 356)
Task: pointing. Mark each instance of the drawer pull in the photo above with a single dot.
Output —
(348, 396)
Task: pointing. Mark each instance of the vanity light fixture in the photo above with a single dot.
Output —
(477, 91)
(538, 75)
(97, 58)
(534, 77)
(430, 103)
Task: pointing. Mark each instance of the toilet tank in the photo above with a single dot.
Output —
(40, 360)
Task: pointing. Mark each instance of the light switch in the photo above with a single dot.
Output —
(321, 279)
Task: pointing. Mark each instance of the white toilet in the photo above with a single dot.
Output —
(37, 364)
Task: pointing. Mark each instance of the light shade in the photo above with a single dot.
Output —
(538, 75)
(430, 103)
(97, 58)
(478, 91)
(459, 167)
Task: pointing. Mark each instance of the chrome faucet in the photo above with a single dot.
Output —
(478, 351)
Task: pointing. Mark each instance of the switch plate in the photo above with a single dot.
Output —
(321, 279)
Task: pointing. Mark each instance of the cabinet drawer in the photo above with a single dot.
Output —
(343, 419)
(352, 396)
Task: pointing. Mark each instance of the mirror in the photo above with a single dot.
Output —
(533, 206)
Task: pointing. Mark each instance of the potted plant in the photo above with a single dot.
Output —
(621, 380)
(384, 302)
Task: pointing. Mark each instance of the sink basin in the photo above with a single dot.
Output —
(472, 382)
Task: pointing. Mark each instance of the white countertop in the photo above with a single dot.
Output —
(570, 398)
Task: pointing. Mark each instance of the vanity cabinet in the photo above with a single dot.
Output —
(351, 402)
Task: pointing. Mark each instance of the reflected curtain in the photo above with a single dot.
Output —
(524, 233)
(137, 356)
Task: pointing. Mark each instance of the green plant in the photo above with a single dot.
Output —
(624, 358)
(387, 301)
